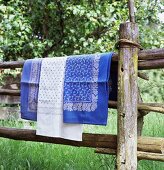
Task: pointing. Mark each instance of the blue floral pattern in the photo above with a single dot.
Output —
(80, 86)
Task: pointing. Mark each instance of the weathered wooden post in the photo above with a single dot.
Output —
(127, 93)
(127, 97)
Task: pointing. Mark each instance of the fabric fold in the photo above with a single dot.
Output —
(86, 89)
(50, 102)
(29, 88)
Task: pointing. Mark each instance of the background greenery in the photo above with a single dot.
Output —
(42, 28)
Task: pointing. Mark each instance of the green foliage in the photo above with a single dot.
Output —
(150, 26)
(153, 91)
(17, 40)
(39, 28)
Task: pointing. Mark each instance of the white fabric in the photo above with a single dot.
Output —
(50, 102)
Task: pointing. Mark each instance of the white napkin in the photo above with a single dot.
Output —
(50, 102)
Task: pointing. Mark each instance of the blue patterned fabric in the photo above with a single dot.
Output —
(86, 89)
(29, 89)
(113, 82)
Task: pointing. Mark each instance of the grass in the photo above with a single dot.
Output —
(31, 155)
(21, 155)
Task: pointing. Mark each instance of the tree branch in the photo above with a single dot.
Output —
(61, 31)
(97, 32)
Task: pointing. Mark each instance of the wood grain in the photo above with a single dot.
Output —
(145, 144)
(140, 155)
(127, 99)
(145, 55)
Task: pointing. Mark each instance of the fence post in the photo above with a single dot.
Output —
(127, 97)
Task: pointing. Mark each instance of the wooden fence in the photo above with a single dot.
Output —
(128, 145)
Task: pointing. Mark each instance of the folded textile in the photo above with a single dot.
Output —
(29, 88)
(113, 82)
(86, 89)
(50, 102)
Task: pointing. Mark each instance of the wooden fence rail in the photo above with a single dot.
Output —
(151, 59)
(145, 144)
(140, 155)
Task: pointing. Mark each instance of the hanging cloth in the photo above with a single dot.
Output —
(29, 88)
(50, 102)
(86, 89)
(113, 81)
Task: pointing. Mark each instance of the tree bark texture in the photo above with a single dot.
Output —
(127, 99)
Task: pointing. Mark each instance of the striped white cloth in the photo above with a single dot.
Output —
(50, 102)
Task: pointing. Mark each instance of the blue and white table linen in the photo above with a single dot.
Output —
(29, 88)
(50, 102)
(86, 89)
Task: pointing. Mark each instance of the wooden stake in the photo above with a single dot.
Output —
(127, 99)
(140, 119)
(131, 10)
